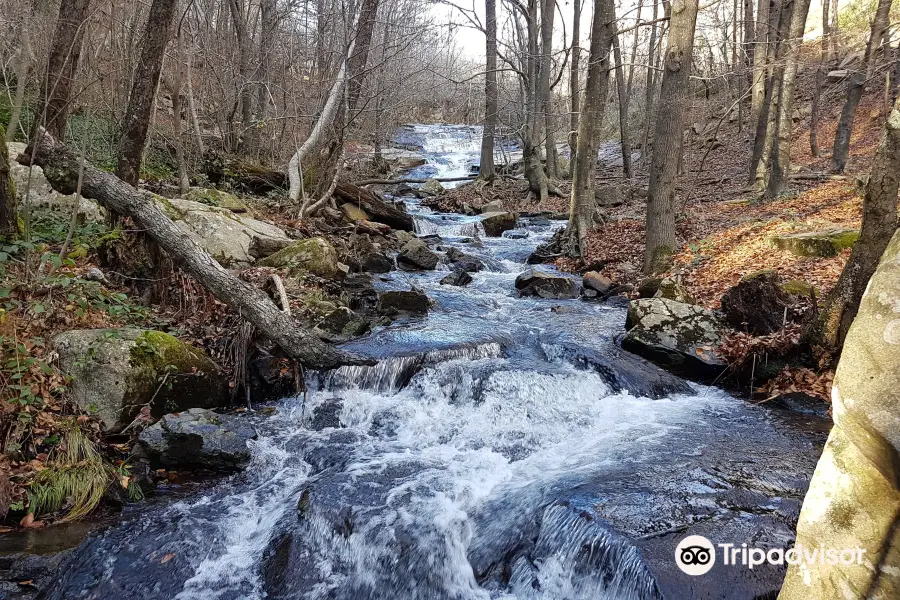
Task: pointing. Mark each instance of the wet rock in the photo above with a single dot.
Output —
(462, 261)
(359, 292)
(417, 256)
(458, 277)
(327, 414)
(313, 255)
(413, 302)
(852, 500)
(376, 262)
(197, 439)
(516, 234)
(433, 187)
(671, 289)
(495, 223)
(545, 285)
(404, 189)
(342, 323)
(757, 304)
(23, 575)
(817, 243)
(592, 280)
(677, 336)
(117, 371)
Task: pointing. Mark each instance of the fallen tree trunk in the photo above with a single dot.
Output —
(378, 209)
(396, 181)
(61, 169)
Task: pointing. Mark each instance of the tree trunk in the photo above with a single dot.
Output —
(548, 10)
(62, 68)
(879, 222)
(668, 141)
(531, 146)
(133, 136)
(574, 84)
(176, 87)
(623, 108)
(239, 22)
(652, 62)
(760, 55)
(24, 57)
(491, 92)
(582, 203)
(856, 87)
(8, 220)
(820, 81)
(356, 66)
(269, 27)
(781, 159)
(61, 168)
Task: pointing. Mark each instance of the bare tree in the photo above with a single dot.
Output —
(761, 51)
(575, 82)
(856, 85)
(548, 10)
(133, 135)
(820, 79)
(622, 92)
(668, 142)
(879, 222)
(54, 101)
(582, 203)
(491, 92)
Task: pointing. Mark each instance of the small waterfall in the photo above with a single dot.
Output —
(391, 375)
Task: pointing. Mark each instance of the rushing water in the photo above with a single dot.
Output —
(502, 448)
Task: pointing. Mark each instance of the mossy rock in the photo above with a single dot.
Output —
(213, 197)
(798, 287)
(313, 255)
(821, 244)
(116, 372)
(673, 290)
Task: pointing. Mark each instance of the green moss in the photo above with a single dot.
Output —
(218, 198)
(798, 287)
(168, 208)
(314, 255)
(821, 244)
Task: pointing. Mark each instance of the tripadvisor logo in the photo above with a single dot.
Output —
(696, 555)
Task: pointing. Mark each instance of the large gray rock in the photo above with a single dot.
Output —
(226, 236)
(853, 499)
(825, 243)
(415, 255)
(413, 302)
(545, 285)
(197, 439)
(495, 223)
(680, 337)
(313, 255)
(116, 372)
(41, 194)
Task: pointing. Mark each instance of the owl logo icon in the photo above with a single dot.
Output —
(695, 555)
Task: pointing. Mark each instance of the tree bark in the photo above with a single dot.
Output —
(762, 39)
(668, 141)
(356, 66)
(491, 92)
(625, 143)
(548, 10)
(820, 81)
(582, 203)
(239, 21)
(143, 91)
(269, 26)
(575, 84)
(879, 222)
(61, 168)
(8, 221)
(856, 87)
(652, 62)
(62, 68)
(24, 57)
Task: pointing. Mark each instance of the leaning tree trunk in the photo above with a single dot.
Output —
(623, 108)
(856, 87)
(143, 91)
(668, 141)
(54, 101)
(582, 203)
(491, 92)
(61, 168)
(879, 221)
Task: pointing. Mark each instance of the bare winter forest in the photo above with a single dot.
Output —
(450, 299)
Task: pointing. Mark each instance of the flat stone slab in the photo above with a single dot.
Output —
(820, 244)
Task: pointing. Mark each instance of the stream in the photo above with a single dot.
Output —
(502, 448)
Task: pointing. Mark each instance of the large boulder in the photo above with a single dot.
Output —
(197, 439)
(758, 304)
(433, 187)
(41, 194)
(415, 255)
(226, 236)
(853, 499)
(116, 372)
(677, 336)
(546, 285)
(411, 302)
(817, 243)
(609, 196)
(217, 198)
(495, 223)
(313, 255)
(598, 282)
